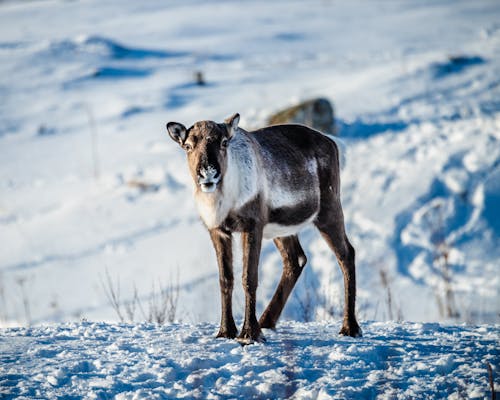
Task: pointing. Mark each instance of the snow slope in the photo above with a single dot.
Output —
(91, 187)
(90, 182)
(300, 360)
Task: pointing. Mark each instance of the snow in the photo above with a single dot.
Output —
(92, 188)
(299, 360)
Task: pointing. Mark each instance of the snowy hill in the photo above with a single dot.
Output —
(96, 207)
(89, 181)
(302, 361)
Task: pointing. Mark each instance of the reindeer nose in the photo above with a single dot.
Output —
(208, 173)
(208, 178)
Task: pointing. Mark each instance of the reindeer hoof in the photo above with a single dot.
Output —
(226, 334)
(268, 325)
(248, 336)
(246, 341)
(267, 322)
(352, 330)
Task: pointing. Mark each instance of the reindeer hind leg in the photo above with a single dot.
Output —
(294, 260)
(334, 234)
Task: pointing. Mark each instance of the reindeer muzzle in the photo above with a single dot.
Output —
(208, 178)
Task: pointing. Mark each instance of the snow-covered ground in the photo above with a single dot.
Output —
(94, 194)
(300, 360)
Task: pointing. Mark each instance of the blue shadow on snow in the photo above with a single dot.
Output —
(454, 65)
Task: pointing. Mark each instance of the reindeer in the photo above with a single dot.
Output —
(269, 183)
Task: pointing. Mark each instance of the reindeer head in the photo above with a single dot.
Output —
(205, 144)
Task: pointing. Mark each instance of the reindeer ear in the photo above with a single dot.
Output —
(177, 132)
(232, 124)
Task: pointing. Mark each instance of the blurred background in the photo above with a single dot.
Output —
(97, 219)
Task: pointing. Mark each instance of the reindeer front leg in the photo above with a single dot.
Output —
(222, 242)
(252, 242)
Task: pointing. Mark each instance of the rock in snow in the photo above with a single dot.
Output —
(316, 113)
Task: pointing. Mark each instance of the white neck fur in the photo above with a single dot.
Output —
(239, 184)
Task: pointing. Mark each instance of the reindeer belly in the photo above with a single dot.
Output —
(289, 220)
(273, 230)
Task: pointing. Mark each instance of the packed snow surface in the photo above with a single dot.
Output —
(299, 360)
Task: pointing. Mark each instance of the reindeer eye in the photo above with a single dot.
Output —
(223, 143)
(188, 147)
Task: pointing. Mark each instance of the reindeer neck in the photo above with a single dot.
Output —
(239, 183)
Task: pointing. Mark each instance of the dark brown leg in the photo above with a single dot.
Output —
(222, 242)
(294, 260)
(251, 251)
(334, 234)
